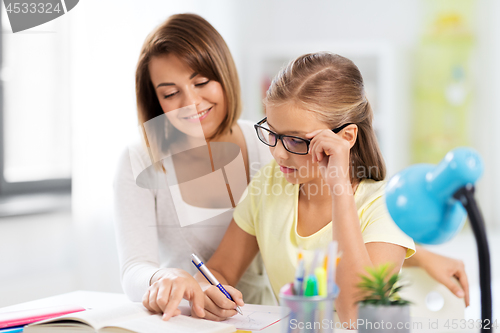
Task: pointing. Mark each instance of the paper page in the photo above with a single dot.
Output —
(177, 324)
(257, 317)
(60, 326)
(100, 317)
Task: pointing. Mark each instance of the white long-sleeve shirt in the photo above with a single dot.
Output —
(149, 236)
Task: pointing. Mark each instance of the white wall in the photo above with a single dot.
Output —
(338, 22)
(38, 257)
(485, 114)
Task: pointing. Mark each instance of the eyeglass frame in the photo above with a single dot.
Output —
(280, 136)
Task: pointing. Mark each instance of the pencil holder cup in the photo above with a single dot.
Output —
(308, 314)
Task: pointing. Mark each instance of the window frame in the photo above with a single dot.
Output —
(9, 189)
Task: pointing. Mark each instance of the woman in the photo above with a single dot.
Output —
(184, 62)
(154, 248)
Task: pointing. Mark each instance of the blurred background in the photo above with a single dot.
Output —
(431, 72)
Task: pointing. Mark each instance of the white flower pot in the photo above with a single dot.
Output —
(384, 319)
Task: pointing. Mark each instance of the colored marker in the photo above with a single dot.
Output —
(331, 266)
(299, 276)
(311, 288)
(316, 261)
(320, 274)
(287, 289)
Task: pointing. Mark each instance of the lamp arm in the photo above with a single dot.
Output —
(466, 196)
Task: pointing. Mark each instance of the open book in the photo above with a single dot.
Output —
(132, 317)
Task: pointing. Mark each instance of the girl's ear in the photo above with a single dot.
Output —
(350, 133)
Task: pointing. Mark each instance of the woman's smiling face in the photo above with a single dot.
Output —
(187, 98)
(290, 120)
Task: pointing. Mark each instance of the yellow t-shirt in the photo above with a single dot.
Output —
(268, 210)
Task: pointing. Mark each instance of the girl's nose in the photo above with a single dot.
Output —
(279, 152)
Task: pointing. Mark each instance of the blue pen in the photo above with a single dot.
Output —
(211, 278)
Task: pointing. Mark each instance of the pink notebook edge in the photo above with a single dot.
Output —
(24, 317)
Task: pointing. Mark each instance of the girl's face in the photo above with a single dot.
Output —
(187, 98)
(290, 120)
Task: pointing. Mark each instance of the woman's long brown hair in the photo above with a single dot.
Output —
(202, 48)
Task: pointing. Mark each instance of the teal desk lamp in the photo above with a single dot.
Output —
(430, 204)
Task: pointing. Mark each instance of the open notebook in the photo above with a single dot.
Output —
(131, 317)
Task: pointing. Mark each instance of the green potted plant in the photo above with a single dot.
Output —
(380, 308)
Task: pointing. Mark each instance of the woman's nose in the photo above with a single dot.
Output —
(279, 152)
(191, 97)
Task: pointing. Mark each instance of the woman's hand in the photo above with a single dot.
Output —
(217, 306)
(331, 152)
(170, 287)
(444, 270)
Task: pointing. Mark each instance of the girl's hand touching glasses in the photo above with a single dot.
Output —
(332, 151)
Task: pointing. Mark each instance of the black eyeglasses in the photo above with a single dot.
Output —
(293, 144)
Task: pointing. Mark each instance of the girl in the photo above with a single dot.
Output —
(325, 182)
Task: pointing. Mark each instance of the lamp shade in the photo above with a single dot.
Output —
(420, 198)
